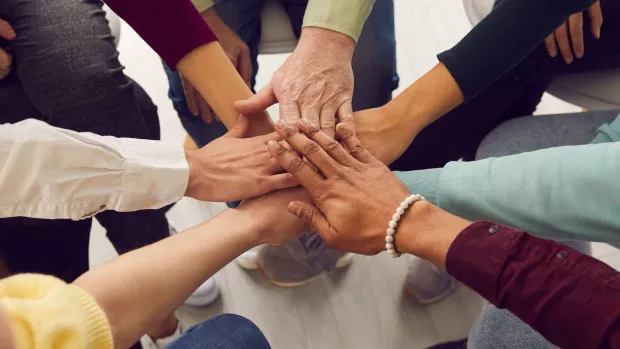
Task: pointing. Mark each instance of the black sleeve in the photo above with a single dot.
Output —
(504, 38)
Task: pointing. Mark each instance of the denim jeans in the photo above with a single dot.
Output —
(226, 331)
(374, 59)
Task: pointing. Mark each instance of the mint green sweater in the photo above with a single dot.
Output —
(564, 193)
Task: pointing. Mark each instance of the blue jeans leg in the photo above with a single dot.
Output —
(226, 331)
(500, 329)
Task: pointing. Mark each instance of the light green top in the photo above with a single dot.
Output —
(344, 16)
(564, 193)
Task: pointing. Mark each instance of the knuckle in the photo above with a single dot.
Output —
(328, 125)
(357, 147)
(289, 131)
(322, 192)
(311, 148)
(312, 129)
(332, 145)
(297, 165)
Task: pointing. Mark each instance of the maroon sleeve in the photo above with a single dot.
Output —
(173, 28)
(572, 299)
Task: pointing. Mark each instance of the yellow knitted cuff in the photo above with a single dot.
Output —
(99, 331)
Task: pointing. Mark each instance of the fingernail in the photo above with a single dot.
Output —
(273, 144)
(304, 122)
(280, 124)
(11, 34)
(294, 207)
(568, 60)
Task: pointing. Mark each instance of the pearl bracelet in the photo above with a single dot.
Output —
(391, 230)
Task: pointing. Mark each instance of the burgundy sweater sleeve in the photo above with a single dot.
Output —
(572, 299)
(173, 28)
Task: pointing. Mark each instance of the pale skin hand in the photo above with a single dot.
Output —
(356, 195)
(6, 60)
(568, 37)
(315, 82)
(238, 53)
(234, 168)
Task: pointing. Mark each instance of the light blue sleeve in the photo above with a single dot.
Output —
(564, 193)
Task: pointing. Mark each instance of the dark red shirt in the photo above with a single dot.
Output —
(572, 299)
(173, 28)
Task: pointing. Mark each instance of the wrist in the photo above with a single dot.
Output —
(327, 41)
(428, 232)
(249, 229)
(195, 174)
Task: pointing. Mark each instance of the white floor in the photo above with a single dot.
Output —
(365, 306)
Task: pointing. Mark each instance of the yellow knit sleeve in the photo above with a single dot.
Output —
(344, 16)
(202, 5)
(44, 312)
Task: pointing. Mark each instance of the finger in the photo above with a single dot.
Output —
(295, 166)
(244, 65)
(354, 145)
(345, 115)
(289, 112)
(575, 25)
(205, 110)
(240, 129)
(309, 149)
(311, 112)
(5, 63)
(257, 103)
(312, 217)
(551, 46)
(280, 181)
(273, 136)
(561, 36)
(596, 19)
(329, 144)
(190, 97)
(6, 31)
(328, 120)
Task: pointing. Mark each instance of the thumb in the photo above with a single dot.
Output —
(257, 103)
(240, 129)
(312, 217)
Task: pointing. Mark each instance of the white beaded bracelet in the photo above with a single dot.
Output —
(391, 230)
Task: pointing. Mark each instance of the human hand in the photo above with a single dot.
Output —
(234, 168)
(573, 28)
(6, 60)
(383, 136)
(354, 198)
(273, 223)
(315, 82)
(238, 53)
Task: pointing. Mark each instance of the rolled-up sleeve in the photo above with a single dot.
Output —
(54, 173)
(343, 16)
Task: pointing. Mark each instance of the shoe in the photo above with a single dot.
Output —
(206, 293)
(297, 262)
(427, 283)
(460, 344)
(151, 343)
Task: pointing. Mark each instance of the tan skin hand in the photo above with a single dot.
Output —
(6, 60)
(356, 177)
(235, 168)
(238, 53)
(568, 37)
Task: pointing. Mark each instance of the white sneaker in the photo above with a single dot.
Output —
(206, 293)
(151, 343)
(249, 260)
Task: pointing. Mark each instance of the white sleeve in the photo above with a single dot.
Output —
(48, 172)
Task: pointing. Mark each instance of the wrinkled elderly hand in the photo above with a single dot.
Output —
(6, 60)
(315, 82)
(234, 168)
(355, 195)
(570, 33)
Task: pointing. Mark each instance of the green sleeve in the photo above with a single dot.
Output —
(564, 193)
(202, 5)
(344, 16)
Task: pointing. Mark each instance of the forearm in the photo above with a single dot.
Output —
(38, 180)
(129, 289)
(220, 84)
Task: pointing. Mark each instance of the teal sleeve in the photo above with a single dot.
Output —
(424, 182)
(564, 193)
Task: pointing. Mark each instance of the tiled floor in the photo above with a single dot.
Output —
(364, 306)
